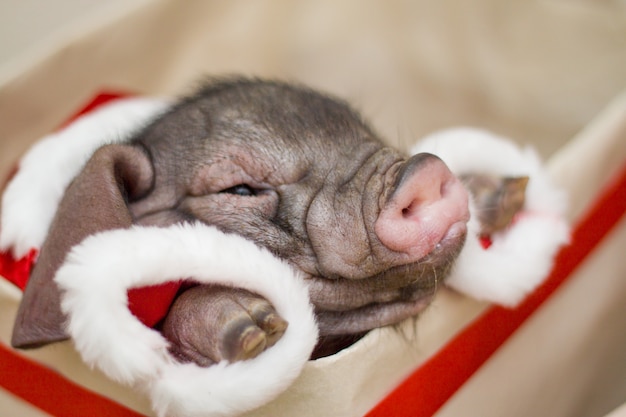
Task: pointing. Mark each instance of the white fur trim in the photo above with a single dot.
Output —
(109, 337)
(520, 257)
(33, 195)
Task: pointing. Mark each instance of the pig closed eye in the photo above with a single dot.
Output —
(243, 190)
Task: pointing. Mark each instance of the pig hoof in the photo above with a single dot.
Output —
(208, 324)
(256, 328)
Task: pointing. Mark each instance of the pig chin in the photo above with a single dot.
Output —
(347, 309)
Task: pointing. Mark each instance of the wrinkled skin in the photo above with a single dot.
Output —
(374, 232)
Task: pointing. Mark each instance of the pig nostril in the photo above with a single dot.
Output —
(406, 212)
(426, 200)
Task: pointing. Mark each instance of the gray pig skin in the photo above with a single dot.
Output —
(374, 231)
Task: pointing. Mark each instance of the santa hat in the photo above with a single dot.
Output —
(110, 337)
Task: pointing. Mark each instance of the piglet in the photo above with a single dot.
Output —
(373, 231)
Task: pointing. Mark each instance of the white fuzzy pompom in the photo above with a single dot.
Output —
(520, 257)
(110, 338)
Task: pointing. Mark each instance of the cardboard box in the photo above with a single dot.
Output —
(542, 73)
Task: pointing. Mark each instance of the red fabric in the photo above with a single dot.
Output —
(49, 391)
(151, 304)
(433, 383)
(148, 304)
(102, 98)
(17, 271)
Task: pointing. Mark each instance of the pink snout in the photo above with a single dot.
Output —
(427, 207)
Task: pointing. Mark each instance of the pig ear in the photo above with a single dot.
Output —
(97, 200)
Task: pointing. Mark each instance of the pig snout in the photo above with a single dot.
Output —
(427, 207)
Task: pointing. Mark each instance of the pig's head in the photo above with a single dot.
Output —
(374, 231)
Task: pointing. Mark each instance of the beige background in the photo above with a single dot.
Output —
(538, 71)
(26, 26)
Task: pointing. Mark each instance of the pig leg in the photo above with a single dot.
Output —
(498, 199)
(208, 324)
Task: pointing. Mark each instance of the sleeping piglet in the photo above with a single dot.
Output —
(373, 231)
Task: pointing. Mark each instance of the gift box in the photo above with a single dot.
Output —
(411, 69)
